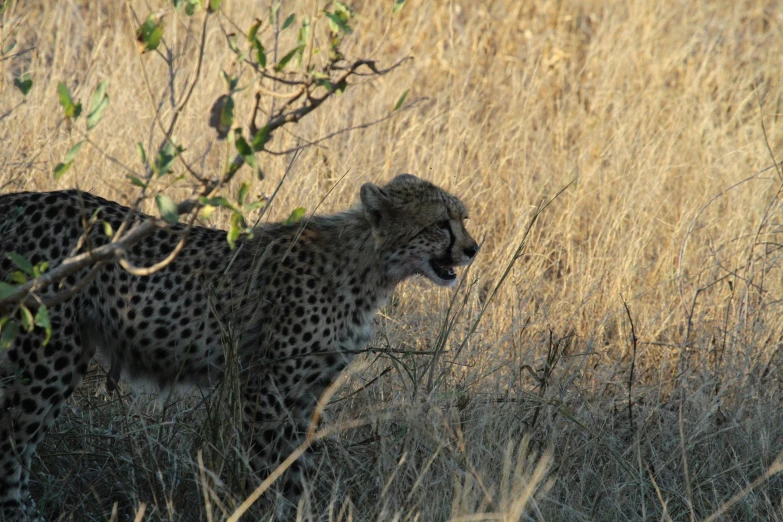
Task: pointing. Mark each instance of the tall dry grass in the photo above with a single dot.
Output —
(626, 368)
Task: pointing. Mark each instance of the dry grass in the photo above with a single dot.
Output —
(654, 109)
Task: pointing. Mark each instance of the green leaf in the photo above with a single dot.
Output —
(302, 37)
(18, 277)
(244, 188)
(343, 9)
(165, 158)
(136, 181)
(232, 42)
(231, 81)
(42, 320)
(338, 22)
(167, 209)
(288, 21)
(237, 222)
(65, 96)
(245, 151)
(71, 154)
(221, 116)
(243, 148)
(214, 5)
(27, 318)
(108, 230)
(217, 201)
(21, 262)
(206, 212)
(6, 290)
(148, 35)
(72, 110)
(13, 43)
(401, 100)
(8, 334)
(287, 58)
(398, 6)
(227, 114)
(295, 217)
(40, 268)
(253, 31)
(260, 53)
(142, 153)
(192, 6)
(273, 13)
(261, 138)
(24, 83)
(60, 169)
(99, 101)
(326, 84)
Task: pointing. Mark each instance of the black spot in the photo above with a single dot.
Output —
(60, 363)
(51, 349)
(161, 332)
(29, 405)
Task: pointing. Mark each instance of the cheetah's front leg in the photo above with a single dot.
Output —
(276, 421)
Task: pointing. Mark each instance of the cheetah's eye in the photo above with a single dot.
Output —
(444, 224)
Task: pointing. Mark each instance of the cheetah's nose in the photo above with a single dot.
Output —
(471, 250)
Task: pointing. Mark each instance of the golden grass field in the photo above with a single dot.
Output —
(627, 367)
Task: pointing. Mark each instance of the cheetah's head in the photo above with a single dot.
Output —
(418, 229)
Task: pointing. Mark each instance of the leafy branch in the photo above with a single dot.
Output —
(295, 80)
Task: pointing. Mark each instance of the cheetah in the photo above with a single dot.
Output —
(302, 297)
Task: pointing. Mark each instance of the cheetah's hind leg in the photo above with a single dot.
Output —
(35, 381)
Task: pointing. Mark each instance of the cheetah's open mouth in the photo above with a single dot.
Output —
(443, 270)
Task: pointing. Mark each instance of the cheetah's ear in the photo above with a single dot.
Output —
(376, 203)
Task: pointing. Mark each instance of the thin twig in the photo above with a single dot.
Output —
(634, 341)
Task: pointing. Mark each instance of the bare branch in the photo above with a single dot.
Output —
(163, 263)
(107, 253)
(344, 130)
